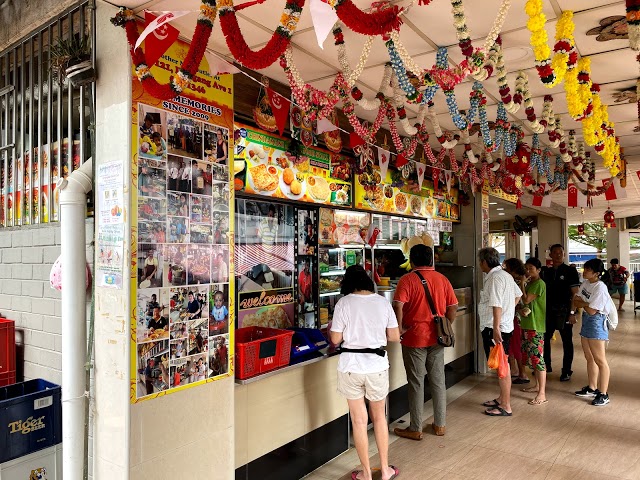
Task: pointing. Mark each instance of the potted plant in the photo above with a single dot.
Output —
(70, 59)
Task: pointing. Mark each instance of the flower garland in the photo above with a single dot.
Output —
(578, 88)
(512, 104)
(351, 75)
(633, 27)
(276, 45)
(532, 120)
(177, 83)
(380, 21)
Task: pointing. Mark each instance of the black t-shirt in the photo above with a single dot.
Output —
(559, 282)
(161, 322)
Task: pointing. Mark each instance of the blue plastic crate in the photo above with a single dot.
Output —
(306, 341)
(30, 418)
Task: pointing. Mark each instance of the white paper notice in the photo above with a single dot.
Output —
(111, 193)
(109, 267)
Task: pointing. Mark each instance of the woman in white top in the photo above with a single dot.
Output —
(364, 320)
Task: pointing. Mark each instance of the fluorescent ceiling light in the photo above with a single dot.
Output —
(493, 203)
(500, 208)
(501, 214)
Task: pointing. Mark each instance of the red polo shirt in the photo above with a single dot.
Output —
(417, 317)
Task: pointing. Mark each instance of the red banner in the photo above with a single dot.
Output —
(280, 108)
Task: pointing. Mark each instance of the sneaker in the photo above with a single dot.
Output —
(565, 377)
(600, 400)
(587, 392)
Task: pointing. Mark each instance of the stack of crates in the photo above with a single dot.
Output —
(31, 431)
(7, 352)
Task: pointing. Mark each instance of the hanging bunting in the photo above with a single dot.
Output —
(324, 18)
(401, 160)
(219, 66)
(383, 162)
(355, 140)
(448, 176)
(575, 197)
(638, 174)
(420, 168)
(280, 109)
(614, 190)
(158, 41)
(158, 23)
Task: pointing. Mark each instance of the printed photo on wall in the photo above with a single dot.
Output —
(219, 264)
(200, 209)
(307, 232)
(151, 209)
(219, 355)
(216, 148)
(177, 204)
(219, 311)
(199, 367)
(151, 182)
(179, 330)
(201, 233)
(153, 371)
(152, 132)
(179, 348)
(201, 178)
(198, 338)
(179, 174)
(178, 372)
(220, 195)
(306, 304)
(150, 265)
(186, 304)
(178, 229)
(185, 136)
(198, 264)
(153, 317)
(220, 173)
(152, 232)
(175, 265)
(220, 228)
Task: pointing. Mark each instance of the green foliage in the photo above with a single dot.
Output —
(65, 49)
(595, 235)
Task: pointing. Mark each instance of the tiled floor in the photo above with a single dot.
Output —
(564, 439)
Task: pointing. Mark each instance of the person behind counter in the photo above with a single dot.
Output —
(421, 353)
(158, 322)
(364, 320)
(193, 306)
(268, 229)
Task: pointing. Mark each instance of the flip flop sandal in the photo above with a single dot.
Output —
(520, 381)
(396, 472)
(537, 402)
(491, 403)
(503, 413)
(354, 474)
(530, 390)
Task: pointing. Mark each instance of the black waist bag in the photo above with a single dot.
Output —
(444, 328)
(378, 351)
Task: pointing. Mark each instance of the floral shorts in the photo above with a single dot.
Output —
(533, 348)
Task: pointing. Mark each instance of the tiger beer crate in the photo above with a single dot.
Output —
(45, 464)
(30, 418)
(259, 350)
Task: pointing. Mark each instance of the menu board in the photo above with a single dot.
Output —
(181, 231)
(262, 166)
(393, 194)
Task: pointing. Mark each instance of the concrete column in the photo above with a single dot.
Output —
(618, 243)
(521, 247)
(551, 230)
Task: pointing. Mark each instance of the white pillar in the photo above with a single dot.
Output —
(618, 243)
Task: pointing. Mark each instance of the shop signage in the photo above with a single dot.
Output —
(262, 166)
(498, 193)
(182, 260)
(372, 192)
(264, 298)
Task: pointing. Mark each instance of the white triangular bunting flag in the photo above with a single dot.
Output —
(218, 65)
(420, 168)
(324, 125)
(383, 161)
(324, 18)
(163, 17)
(448, 176)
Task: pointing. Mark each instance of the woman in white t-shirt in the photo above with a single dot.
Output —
(593, 297)
(361, 321)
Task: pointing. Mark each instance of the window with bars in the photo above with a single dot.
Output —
(44, 123)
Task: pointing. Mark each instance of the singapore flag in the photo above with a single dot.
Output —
(383, 161)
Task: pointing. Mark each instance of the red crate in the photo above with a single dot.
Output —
(7, 352)
(260, 350)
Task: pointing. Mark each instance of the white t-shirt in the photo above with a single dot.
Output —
(596, 294)
(499, 290)
(363, 321)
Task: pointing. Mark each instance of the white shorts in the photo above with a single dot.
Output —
(373, 386)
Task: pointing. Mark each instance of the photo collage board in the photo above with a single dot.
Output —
(182, 268)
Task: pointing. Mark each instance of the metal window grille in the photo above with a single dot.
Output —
(44, 124)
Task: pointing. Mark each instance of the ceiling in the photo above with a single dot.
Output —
(613, 64)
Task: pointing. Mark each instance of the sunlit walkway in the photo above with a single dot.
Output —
(566, 438)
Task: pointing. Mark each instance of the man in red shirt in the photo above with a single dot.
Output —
(421, 352)
(305, 282)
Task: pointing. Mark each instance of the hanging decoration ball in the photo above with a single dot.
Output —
(520, 163)
(609, 219)
(581, 229)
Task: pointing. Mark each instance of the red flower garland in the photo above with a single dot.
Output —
(276, 45)
(377, 22)
(126, 19)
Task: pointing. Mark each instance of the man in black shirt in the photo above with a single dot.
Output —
(562, 283)
(158, 321)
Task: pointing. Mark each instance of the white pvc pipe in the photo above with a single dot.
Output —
(73, 214)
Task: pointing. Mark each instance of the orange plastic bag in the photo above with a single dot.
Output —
(496, 354)
(503, 368)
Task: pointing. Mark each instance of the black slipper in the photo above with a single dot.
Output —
(520, 381)
(491, 403)
(503, 412)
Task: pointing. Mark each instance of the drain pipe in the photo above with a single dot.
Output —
(73, 215)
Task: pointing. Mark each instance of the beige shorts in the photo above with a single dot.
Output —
(373, 386)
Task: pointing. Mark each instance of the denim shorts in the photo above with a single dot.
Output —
(621, 289)
(593, 327)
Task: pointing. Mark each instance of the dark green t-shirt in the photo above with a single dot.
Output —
(537, 318)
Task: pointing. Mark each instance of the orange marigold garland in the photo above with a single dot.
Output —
(177, 83)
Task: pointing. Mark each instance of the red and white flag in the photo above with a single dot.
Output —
(420, 168)
(638, 174)
(448, 176)
(401, 160)
(615, 190)
(163, 34)
(372, 234)
(541, 200)
(280, 108)
(435, 175)
(218, 65)
(575, 198)
(355, 140)
(325, 125)
(323, 17)
(384, 157)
